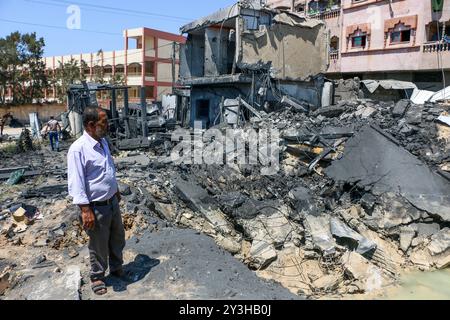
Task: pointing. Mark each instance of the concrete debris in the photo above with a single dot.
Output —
(319, 230)
(407, 235)
(440, 242)
(261, 254)
(351, 238)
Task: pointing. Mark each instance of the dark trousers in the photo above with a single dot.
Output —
(54, 140)
(106, 241)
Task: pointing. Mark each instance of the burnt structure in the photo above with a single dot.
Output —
(253, 54)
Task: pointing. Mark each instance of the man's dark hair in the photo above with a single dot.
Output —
(52, 118)
(91, 114)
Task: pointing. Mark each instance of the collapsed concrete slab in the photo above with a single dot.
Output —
(199, 201)
(374, 160)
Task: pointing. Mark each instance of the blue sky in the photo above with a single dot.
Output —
(101, 26)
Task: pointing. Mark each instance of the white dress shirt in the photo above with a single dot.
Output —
(91, 171)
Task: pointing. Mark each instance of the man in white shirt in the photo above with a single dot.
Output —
(93, 186)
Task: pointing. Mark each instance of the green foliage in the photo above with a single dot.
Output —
(66, 74)
(22, 68)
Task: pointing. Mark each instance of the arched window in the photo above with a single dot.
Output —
(400, 34)
(334, 44)
(359, 39)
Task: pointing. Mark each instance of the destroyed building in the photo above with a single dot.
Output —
(250, 52)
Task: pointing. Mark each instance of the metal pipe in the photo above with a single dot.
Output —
(144, 113)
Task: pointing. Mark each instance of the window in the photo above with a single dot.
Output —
(358, 36)
(400, 30)
(149, 68)
(401, 36)
(359, 41)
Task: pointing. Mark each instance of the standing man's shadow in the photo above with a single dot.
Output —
(134, 272)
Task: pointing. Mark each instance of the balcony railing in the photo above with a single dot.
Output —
(324, 15)
(436, 47)
(334, 55)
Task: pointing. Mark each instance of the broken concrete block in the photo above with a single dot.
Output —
(319, 229)
(351, 238)
(19, 215)
(443, 262)
(426, 229)
(407, 234)
(400, 108)
(198, 200)
(414, 115)
(440, 242)
(262, 254)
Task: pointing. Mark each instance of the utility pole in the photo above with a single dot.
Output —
(173, 65)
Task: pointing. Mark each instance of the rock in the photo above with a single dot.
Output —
(351, 238)
(262, 254)
(407, 234)
(327, 283)
(400, 108)
(440, 242)
(319, 230)
(355, 265)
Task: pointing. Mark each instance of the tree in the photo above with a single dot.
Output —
(22, 68)
(66, 74)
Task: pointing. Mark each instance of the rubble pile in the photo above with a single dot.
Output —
(359, 197)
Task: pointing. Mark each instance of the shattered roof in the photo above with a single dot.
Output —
(220, 16)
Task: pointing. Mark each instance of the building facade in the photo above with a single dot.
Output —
(405, 40)
(150, 59)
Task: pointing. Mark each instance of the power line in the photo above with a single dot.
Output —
(58, 27)
(121, 10)
(140, 15)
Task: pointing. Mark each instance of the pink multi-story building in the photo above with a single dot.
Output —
(379, 39)
(146, 61)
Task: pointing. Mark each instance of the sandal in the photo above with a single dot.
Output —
(99, 288)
